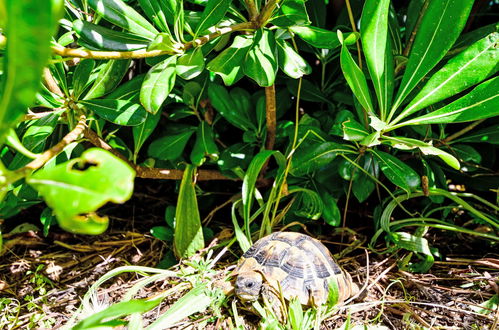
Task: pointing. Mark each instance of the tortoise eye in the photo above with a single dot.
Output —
(249, 284)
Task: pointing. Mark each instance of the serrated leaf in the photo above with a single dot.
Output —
(188, 238)
(158, 83)
(121, 14)
(290, 62)
(260, 63)
(170, 147)
(108, 78)
(397, 171)
(102, 38)
(120, 112)
(71, 192)
(228, 64)
(441, 25)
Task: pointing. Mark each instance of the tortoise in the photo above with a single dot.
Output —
(292, 263)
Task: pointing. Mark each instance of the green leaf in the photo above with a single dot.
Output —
(162, 233)
(260, 63)
(115, 311)
(317, 37)
(28, 30)
(356, 79)
(71, 190)
(121, 14)
(160, 12)
(188, 238)
(308, 203)
(250, 177)
(35, 138)
(102, 38)
(121, 112)
(404, 143)
(441, 25)
(374, 33)
(228, 64)
(213, 13)
(291, 12)
(290, 62)
(164, 41)
(195, 301)
(397, 171)
(485, 135)
(204, 145)
(223, 103)
(108, 78)
(482, 102)
(353, 130)
(129, 90)
(331, 212)
(191, 64)
(363, 185)
(479, 61)
(143, 131)
(81, 77)
(158, 83)
(170, 147)
(312, 158)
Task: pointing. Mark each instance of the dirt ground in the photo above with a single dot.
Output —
(43, 279)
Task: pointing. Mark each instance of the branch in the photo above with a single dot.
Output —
(266, 13)
(152, 173)
(55, 150)
(252, 10)
(142, 53)
(270, 113)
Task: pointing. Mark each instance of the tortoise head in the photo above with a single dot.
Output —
(248, 285)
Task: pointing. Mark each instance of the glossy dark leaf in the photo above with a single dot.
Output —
(108, 78)
(102, 38)
(205, 145)
(398, 172)
(170, 147)
(158, 83)
(228, 64)
(213, 13)
(121, 112)
(191, 64)
(121, 14)
(142, 131)
(160, 12)
(485, 135)
(317, 37)
(260, 63)
(307, 160)
(223, 103)
(81, 78)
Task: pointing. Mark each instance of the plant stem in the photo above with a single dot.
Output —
(354, 29)
(422, 12)
(463, 131)
(270, 113)
(142, 53)
(266, 13)
(252, 10)
(152, 173)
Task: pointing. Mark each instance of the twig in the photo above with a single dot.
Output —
(266, 13)
(270, 113)
(152, 173)
(55, 150)
(50, 83)
(422, 12)
(252, 10)
(354, 29)
(142, 53)
(463, 131)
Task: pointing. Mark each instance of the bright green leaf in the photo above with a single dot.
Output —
(213, 13)
(260, 63)
(205, 145)
(191, 64)
(290, 62)
(158, 83)
(170, 147)
(398, 172)
(228, 64)
(188, 238)
(143, 131)
(317, 37)
(71, 190)
(81, 77)
(108, 78)
(121, 112)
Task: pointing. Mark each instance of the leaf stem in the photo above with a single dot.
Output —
(354, 29)
(270, 113)
(463, 131)
(142, 53)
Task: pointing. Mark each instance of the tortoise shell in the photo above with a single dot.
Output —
(292, 263)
